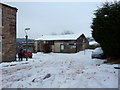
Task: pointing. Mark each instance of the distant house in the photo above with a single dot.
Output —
(71, 43)
(30, 46)
(7, 33)
(21, 42)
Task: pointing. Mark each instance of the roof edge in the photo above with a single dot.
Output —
(8, 6)
(39, 39)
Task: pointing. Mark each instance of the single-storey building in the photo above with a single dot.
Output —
(71, 43)
(7, 33)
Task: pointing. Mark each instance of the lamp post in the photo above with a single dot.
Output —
(26, 43)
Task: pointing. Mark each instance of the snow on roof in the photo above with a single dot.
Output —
(59, 37)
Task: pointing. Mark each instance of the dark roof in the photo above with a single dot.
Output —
(8, 6)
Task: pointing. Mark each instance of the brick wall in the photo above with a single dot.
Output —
(0, 33)
(8, 33)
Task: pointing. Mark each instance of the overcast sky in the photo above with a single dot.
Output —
(54, 17)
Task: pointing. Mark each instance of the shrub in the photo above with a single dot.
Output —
(46, 48)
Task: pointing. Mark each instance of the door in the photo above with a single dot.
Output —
(61, 48)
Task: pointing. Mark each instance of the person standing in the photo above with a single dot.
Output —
(20, 56)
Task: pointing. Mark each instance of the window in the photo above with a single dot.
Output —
(71, 43)
(50, 42)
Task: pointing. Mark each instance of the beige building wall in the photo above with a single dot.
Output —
(36, 46)
(57, 46)
(53, 48)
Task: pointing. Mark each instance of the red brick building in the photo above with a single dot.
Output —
(7, 33)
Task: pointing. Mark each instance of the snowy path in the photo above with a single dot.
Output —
(59, 71)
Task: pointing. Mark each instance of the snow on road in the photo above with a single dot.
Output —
(57, 70)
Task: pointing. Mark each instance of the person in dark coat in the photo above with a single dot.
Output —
(20, 55)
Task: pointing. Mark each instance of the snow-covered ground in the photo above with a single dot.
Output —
(57, 70)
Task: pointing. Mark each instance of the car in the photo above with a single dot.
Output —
(29, 53)
(98, 53)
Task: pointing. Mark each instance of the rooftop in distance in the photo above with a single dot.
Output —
(60, 37)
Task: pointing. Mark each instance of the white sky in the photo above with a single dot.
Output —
(48, 17)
